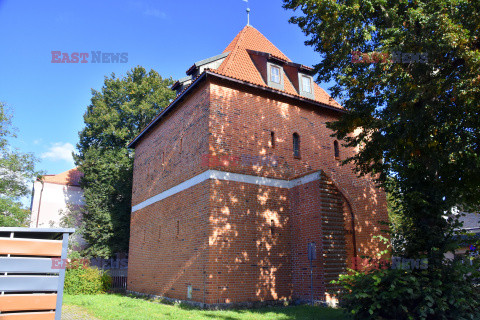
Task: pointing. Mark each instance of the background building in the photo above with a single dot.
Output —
(55, 195)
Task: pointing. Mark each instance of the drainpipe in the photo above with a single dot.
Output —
(40, 201)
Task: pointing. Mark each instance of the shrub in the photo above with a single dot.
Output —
(447, 292)
(106, 281)
(82, 279)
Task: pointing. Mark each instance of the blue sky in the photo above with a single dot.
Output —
(48, 99)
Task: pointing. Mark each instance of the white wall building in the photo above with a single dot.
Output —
(53, 196)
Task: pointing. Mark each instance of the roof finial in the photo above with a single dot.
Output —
(248, 13)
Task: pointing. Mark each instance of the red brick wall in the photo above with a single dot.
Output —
(160, 261)
(241, 122)
(305, 208)
(171, 152)
(249, 260)
(169, 245)
(229, 253)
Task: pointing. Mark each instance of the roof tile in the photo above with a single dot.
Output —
(239, 65)
(70, 177)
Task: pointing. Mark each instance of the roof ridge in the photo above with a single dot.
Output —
(285, 57)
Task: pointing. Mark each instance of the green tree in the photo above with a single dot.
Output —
(17, 170)
(407, 73)
(416, 119)
(115, 116)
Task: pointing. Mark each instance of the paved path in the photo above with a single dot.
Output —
(75, 313)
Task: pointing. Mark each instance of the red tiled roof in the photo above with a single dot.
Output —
(70, 177)
(239, 65)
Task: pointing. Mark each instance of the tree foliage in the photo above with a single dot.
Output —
(17, 170)
(416, 119)
(433, 293)
(115, 116)
(407, 73)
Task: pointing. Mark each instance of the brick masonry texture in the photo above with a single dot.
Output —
(231, 241)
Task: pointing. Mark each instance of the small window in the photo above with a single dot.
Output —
(272, 227)
(272, 139)
(306, 84)
(336, 149)
(275, 74)
(181, 144)
(178, 228)
(163, 158)
(296, 145)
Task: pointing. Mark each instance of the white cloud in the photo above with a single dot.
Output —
(147, 8)
(155, 13)
(59, 151)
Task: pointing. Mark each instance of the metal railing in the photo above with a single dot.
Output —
(117, 268)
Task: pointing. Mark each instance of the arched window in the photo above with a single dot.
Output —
(337, 149)
(296, 145)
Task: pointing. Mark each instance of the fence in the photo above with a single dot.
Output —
(117, 268)
(33, 273)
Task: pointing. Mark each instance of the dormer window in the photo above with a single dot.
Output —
(306, 84)
(275, 74)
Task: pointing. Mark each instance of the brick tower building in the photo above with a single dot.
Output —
(238, 176)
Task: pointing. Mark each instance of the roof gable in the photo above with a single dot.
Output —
(240, 65)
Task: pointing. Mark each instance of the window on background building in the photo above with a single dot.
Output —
(296, 145)
(336, 149)
(275, 74)
(306, 84)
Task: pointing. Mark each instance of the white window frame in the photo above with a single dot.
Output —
(305, 80)
(302, 77)
(272, 75)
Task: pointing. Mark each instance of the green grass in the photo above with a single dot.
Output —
(118, 307)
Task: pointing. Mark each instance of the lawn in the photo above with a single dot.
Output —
(118, 307)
